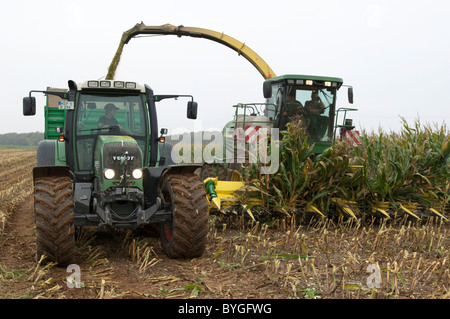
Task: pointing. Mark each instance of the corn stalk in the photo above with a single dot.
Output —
(397, 170)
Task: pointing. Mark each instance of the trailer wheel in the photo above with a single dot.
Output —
(55, 231)
(185, 236)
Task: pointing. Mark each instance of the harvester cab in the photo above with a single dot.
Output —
(310, 99)
(104, 163)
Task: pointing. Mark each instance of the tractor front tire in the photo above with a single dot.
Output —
(210, 170)
(55, 231)
(185, 236)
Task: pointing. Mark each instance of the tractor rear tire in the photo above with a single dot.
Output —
(55, 231)
(185, 236)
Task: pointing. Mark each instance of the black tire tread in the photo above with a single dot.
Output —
(191, 214)
(53, 207)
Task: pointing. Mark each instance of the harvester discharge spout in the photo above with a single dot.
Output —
(168, 29)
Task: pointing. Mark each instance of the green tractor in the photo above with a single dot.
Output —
(104, 163)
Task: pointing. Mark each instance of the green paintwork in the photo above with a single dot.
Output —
(53, 118)
(60, 153)
(102, 140)
(320, 147)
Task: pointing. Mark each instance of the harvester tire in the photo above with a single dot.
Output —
(185, 236)
(53, 208)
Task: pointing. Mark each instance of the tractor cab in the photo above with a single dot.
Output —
(101, 113)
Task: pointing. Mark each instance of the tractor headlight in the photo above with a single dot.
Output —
(137, 173)
(109, 173)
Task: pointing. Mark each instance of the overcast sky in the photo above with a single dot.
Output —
(394, 53)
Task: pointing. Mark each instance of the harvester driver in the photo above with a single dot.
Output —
(293, 110)
(317, 123)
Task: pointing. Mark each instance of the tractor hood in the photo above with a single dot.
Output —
(118, 162)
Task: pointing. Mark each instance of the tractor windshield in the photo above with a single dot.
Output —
(313, 106)
(107, 114)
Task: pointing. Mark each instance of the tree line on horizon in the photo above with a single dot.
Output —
(21, 139)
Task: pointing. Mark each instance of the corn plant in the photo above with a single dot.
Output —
(411, 167)
(282, 190)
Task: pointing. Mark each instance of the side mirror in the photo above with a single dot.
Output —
(163, 131)
(29, 105)
(350, 95)
(267, 90)
(192, 110)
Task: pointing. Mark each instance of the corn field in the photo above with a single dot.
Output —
(387, 175)
(290, 251)
(15, 179)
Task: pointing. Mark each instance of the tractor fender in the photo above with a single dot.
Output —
(54, 171)
(51, 160)
(51, 153)
(153, 176)
(165, 154)
(181, 168)
(46, 153)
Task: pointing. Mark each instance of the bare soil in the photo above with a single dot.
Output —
(241, 262)
(121, 275)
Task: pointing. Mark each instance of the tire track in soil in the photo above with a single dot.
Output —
(17, 247)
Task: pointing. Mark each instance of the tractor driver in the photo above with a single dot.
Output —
(108, 119)
(317, 123)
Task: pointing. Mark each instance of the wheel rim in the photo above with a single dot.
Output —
(168, 232)
(168, 229)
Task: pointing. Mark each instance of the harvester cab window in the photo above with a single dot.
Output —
(273, 103)
(107, 115)
(315, 110)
